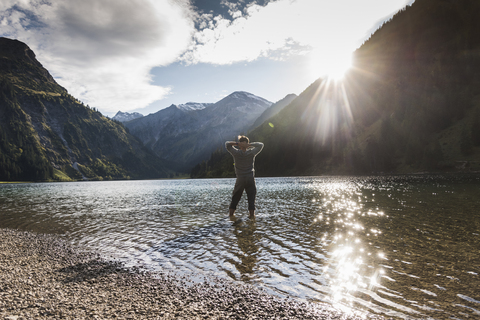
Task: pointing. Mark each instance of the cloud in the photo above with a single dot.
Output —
(326, 28)
(102, 51)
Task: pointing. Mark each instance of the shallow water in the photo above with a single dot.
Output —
(403, 247)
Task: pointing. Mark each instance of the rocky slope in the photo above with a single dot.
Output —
(46, 134)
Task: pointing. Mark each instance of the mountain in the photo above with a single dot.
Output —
(126, 116)
(191, 106)
(46, 134)
(411, 103)
(168, 121)
(186, 134)
(273, 110)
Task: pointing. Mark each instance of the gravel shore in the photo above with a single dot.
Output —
(43, 277)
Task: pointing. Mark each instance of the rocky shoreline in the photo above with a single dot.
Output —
(43, 277)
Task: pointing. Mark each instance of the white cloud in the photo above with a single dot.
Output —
(327, 28)
(102, 51)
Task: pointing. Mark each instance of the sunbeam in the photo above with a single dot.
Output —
(329, 110)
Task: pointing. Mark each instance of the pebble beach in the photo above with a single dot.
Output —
(44, 277)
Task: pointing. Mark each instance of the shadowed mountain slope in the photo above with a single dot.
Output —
(410, 103)
(273, 110)
(46, 134)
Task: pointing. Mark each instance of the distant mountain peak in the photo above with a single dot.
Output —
(192, 106)
(194, 130)
(240, 93)
(244, 94)
(126, 116)
(232, 100)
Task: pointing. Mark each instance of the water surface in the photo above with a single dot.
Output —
(404, 247)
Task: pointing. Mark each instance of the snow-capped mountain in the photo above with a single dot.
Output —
(191, 106)
(125, 116)
(243, 102)
(187, 134)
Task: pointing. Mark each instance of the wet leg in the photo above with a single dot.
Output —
(251, 190)
(236, 196)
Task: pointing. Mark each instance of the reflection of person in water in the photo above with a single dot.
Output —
(244, 153)
(247, 240)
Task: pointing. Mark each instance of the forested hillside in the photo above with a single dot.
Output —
(46, 134)
(411, 103)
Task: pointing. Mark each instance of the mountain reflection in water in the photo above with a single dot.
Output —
(404, 247)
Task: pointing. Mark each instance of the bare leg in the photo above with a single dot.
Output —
(232, 211)
(252, 213)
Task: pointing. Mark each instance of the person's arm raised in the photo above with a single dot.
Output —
(258, 146)
(229, 144)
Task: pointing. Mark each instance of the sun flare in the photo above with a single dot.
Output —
(332, 65)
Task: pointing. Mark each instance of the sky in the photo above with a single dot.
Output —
(144, 55)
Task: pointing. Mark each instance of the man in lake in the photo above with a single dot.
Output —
(244, 153)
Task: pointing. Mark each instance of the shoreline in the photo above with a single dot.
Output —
(373, 174)
(44, 277)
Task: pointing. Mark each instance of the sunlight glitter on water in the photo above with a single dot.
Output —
(398, 246)
(341, 207)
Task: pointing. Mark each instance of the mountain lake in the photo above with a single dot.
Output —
(405, 247)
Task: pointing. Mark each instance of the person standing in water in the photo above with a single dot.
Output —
(244, 154)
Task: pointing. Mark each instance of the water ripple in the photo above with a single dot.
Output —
(405, 247)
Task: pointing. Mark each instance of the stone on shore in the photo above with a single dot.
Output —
(43, 277)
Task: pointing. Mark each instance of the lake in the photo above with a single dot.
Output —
(406, 247)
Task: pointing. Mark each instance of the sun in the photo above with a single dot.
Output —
(330, 64)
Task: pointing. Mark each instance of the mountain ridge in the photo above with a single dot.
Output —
(185, 135)
(126, 116)
(46, 134)
(410, 103)
(273, 110)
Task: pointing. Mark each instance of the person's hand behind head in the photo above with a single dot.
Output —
(243, 144)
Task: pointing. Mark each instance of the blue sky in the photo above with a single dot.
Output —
(144, 55)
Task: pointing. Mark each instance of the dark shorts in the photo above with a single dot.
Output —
(246, 183)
